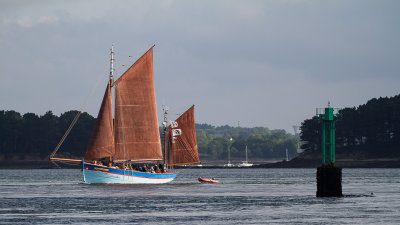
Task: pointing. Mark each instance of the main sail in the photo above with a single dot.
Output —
(101, 143)
(137, 136)
(182, 142)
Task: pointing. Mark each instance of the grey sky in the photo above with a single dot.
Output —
(263, 63)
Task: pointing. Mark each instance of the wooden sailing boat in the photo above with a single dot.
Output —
(133, 135)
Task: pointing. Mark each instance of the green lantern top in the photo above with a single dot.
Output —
(328, 113)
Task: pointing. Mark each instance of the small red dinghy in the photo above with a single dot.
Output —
(205, 180)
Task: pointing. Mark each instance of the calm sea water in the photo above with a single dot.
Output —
(245, 196)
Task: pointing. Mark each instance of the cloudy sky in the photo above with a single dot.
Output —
(263, 63)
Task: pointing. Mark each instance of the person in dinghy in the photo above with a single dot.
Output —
(205, 180)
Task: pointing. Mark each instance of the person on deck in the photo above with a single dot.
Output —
(156, 168)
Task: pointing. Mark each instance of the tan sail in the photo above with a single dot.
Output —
(137, 137)
(182, 143)
(101, 143)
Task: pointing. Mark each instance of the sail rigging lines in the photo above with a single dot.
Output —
(101, 142)
(189, 155)
(134, 131)
(128, 131)
(117, 80)
(78, 114)
(136, 124)
(182, 146)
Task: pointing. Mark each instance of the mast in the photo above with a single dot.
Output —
(111, 84)
(112, 64)
(101, 142)
(229, 152)
(165, 110)
(287, 155)
(111, 81)
(246, 153)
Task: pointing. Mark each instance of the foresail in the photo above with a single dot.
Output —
(101, 143)
(182, 142)
(137, 137)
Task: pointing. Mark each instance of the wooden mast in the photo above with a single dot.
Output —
(69, 160)
(111, 85)
(165, 109)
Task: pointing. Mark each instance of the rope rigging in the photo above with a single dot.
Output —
(76, 116)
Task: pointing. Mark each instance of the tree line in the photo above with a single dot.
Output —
(31, 136)
(262, 143)
(374, 126)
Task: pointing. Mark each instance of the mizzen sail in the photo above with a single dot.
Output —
(101, 143)
(137, 136)
(182, 144)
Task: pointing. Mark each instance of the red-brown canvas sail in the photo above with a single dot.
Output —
(182, 144)
(137, 137)
(101, 143)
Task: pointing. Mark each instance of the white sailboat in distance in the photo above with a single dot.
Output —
(245, 163)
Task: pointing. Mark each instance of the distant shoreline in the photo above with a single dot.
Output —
(295, 163)
(312, 163)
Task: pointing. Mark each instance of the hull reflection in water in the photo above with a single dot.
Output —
(94, 174)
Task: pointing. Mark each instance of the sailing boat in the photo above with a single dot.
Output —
(182, 143)
(229, 155)
(131, 136)
(245, 163)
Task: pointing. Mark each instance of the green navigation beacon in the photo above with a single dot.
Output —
(328, 116)
(329, 177)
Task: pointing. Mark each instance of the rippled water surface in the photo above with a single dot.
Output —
(244, 196)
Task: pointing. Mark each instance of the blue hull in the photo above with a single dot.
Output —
(96, 174)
